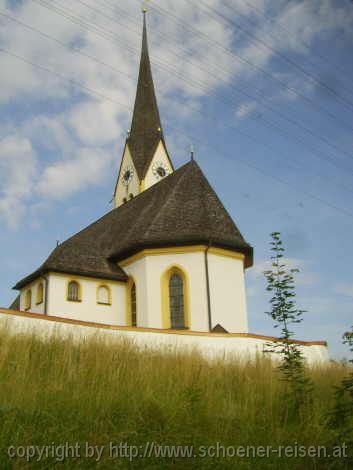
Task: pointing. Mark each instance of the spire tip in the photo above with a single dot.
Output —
(144, 7)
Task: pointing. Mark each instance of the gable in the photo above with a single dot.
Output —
(123, 190)
(159, 159)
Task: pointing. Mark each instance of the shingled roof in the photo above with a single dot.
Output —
(182, 209)
(146, 128)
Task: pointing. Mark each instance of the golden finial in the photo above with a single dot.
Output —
(145, 6)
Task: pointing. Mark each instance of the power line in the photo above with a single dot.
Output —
(247, 95)
(241, 132)
(280, 54)
(101, 95)
(160, 64)
(287, 31)
(241, 91)
(320, 109)
(71, 47)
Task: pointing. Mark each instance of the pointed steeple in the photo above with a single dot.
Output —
(146, 128)
(145, 159)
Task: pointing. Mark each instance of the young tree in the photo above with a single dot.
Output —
(284, 312)
(341, 417)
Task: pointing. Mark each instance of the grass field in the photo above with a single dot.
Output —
(104, 394)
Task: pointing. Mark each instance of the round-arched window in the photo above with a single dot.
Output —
(73, 291)
(104, 295)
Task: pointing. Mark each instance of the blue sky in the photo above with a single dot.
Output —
(262, 89)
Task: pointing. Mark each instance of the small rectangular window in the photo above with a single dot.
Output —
(28, 299)
(40, 293)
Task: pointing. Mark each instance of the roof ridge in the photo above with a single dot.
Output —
(178, 170)
(166, 200)
(220, 202)
(82, 230)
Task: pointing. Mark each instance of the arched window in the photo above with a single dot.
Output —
(133, 305)
(40, 293)
(104, 295)
(74, 291)
(28, 299)
(176, 301)
(124, 200)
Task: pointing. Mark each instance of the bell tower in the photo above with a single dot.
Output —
(145, 159)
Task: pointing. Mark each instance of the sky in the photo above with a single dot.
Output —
(262, 90)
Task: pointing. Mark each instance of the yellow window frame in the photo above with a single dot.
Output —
(104, 286)
(165, 278)
(79, 291)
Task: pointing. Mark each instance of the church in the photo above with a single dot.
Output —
(168, 256)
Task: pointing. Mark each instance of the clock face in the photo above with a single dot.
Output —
(127, 175)
(159, 170)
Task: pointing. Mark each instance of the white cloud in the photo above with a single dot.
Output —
(63, 121)
(306, 20)
(244, 109)
(344, 289)
(50, 132)
(90, 130)
(63, 178)
(18, 169)
(213, 66)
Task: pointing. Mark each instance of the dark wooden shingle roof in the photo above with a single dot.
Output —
(182, 209)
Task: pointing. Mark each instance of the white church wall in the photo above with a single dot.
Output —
(123, 191)
(192, 265)
(153, 268)
(210, 345)
(36, 306)
(160, 156)
(137, 271)
(87, 309)
(227, 293)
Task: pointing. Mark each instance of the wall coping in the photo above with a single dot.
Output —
(104, 326)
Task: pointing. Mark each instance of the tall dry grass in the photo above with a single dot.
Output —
(95, 391)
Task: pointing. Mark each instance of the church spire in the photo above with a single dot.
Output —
(146, 128)
(145, 159)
